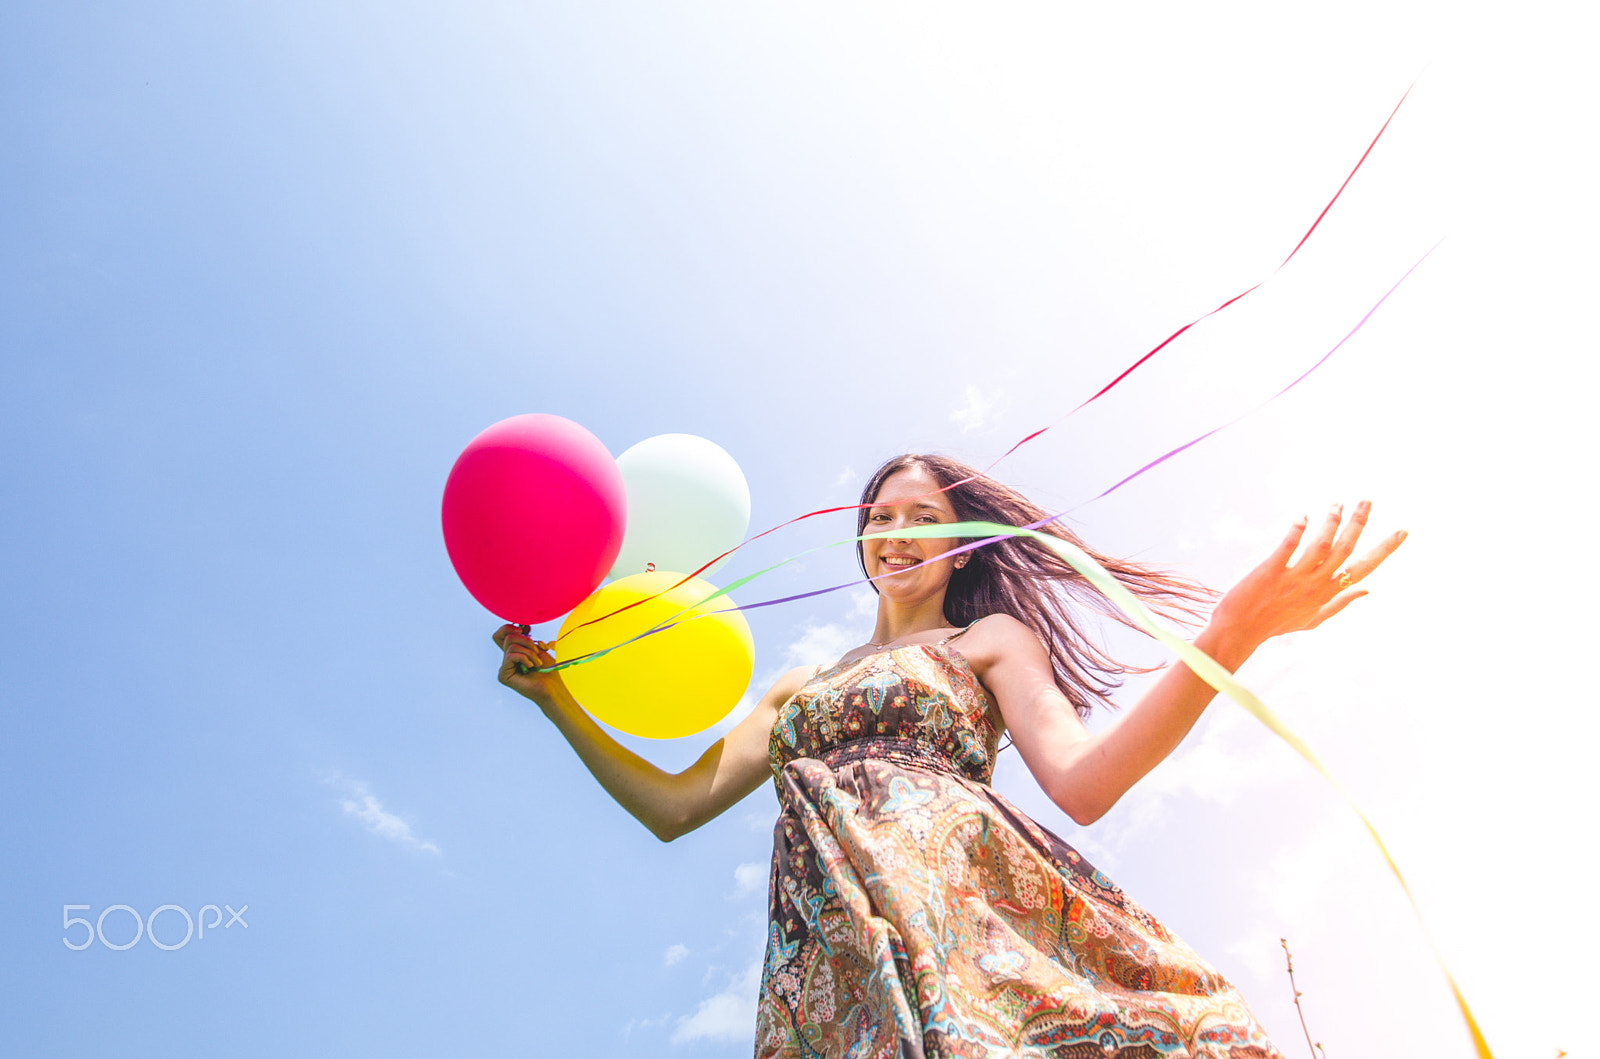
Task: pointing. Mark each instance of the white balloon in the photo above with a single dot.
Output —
(688, 502)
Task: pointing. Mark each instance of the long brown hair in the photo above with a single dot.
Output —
(1025, 579)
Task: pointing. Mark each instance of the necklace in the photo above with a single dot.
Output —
(897, 639)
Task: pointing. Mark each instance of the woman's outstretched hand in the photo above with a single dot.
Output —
(521, 670)
(1288, 593)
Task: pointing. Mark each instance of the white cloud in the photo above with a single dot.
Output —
(365, 807)
(846, 477)
(643, 1024)
(1236, 535)
(825, 643)
(1229, 528)
(727, 1016)
(750, 877)
(1229, 757)
(674, 954)
(820, 643)
(975, 413)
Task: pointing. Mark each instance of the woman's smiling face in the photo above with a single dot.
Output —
(904, 501)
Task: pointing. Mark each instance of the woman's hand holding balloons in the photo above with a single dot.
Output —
(1285, 593)
(669, 804)
(521, 670)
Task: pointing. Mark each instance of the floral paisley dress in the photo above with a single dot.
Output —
(917, 914)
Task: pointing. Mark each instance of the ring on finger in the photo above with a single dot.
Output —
(1345, 580)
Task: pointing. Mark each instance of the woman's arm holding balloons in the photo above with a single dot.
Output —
(670, 804)
(1084, 772)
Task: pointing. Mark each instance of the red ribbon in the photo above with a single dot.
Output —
(1107, 388)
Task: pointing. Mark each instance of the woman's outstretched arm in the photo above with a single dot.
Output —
(670, 804)
(1084, 772)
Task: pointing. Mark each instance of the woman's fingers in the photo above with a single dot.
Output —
(1287, 593)
(1320, 545)
(1369, 562)
(1349, 535)
(508, 637)
(519, 661)
(1350, 573)
(522, 655)
(1335, 541)
(1285, 550)
(501, 634)
(1336, 604)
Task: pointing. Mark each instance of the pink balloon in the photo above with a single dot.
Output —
(533, 516)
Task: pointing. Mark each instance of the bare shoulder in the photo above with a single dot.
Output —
(760, 719)
(787, 686)
(749, 736)
(996, 639)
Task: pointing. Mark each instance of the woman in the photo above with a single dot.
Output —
(915, 912)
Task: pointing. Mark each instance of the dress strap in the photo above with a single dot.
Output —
(959, 632)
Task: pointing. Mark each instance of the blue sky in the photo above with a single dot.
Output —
(267, 268)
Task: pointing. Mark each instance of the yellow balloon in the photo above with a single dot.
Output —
(671, 684)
